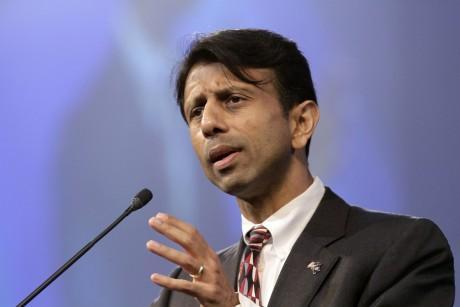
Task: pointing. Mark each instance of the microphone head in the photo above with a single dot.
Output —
(141, 199)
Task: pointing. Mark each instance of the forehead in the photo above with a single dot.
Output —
(207, 78)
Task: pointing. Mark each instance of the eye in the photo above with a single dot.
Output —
(196, 112)
(235, 99)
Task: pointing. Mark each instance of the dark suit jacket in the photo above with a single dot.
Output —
(367, 259)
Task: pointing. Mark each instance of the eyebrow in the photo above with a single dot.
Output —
(194, 101)
(225, 92)
(221, 94)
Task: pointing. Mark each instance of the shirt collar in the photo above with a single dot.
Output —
(286, 224)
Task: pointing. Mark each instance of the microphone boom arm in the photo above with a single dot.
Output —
(138, 202)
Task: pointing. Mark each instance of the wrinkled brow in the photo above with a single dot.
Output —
(220, 94)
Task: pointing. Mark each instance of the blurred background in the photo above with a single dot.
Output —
(87, 118)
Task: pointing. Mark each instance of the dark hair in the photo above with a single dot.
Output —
(252, 48)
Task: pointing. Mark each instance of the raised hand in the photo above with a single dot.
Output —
(209, 283)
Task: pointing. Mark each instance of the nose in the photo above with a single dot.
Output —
(213, 119)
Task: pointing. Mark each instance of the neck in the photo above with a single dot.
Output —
(257, 209)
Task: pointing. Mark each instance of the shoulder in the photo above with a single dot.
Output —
(406, 255)
(335, 217)
(390, 224)
(354, 220)
(395, 236)
(373, 232)
(399, 256)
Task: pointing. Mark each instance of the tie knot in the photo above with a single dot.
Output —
(258, 236)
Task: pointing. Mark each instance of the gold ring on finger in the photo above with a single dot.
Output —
(199, 273)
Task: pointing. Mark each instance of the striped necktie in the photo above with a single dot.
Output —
(248, 279)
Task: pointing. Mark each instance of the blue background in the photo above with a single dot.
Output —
(87, 118)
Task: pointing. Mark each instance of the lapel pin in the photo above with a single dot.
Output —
(315, 267)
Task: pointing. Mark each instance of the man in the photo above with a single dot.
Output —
(248, 99)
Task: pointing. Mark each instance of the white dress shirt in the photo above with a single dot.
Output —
(285, 226)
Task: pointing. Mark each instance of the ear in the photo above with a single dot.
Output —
(303, 119)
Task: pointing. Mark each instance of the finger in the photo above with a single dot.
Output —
(176, 223)
(190, 239)
(187, 262)
(206, 293)
(167, 218)
(172, 232)
(182, 285)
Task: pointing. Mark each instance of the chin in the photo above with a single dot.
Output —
(242, 190)
(234, 182)
(231, 186)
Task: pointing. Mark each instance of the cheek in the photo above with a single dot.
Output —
(274, 132)
(197, 145)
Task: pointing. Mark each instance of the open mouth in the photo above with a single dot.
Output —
(221, 153)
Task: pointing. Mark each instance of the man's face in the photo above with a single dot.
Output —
(238, 130)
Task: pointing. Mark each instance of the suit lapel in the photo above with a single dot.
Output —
(230, 259)
(296, 284)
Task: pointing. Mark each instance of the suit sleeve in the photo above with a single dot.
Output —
(417, 270)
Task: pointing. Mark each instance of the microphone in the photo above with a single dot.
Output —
(139, 201)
